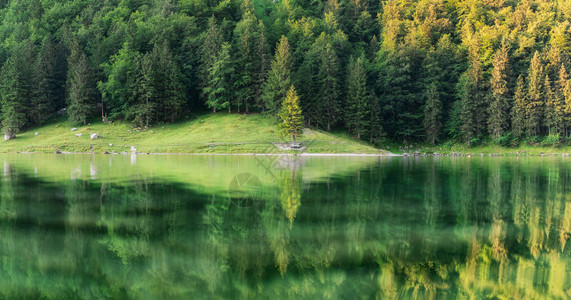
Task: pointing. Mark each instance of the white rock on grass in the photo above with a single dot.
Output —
(73, 129)
(95, 136)
(79, 135)
(9, 136)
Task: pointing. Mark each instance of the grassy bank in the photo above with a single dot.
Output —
(461, 148)
(212, 133)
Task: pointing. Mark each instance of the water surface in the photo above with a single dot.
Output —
(231, 227)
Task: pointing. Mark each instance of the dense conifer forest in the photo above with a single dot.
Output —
(404, 70)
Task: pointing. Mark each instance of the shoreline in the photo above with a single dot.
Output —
(220, 154)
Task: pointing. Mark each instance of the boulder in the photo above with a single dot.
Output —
(95, 136)
(79, 134)
(133, 149)
(9, 136)
(36, 134)
(73, 129)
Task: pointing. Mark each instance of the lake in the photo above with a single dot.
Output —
(268, 227)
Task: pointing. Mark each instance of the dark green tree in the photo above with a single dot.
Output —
(279, 79)
(519, 110)
(328, 82)
(357, 100)
(472, 95)
(535, 103)
(44, 84)
(499, 109)
(432, 113)
(15, 90)
(219, 87)
(81, 87)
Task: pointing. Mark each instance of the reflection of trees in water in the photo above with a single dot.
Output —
(405, 229)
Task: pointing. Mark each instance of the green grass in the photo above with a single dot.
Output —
(210, 133)
(490, 148)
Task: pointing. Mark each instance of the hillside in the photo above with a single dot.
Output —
(212, 133)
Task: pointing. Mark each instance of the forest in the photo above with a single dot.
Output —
(403, 70)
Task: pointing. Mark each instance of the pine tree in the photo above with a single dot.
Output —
(329, 86)
(81, 97)
(473, 100)
(211, 45)
(261, 66)
(247, 60)
(560, 98)
(357, 101)
(15, 90)
(218, 90)
(44, 84)
(432, 113)
(375, 124)
(143, 96)
(291, 115)
(279, 79)
(550, 102)
(535, 102)
(498, 112)
(169, 85)
(519, 111)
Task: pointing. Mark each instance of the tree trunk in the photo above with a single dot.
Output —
(293, 135)
(328, 125)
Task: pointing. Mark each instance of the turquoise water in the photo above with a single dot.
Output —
(243, 227)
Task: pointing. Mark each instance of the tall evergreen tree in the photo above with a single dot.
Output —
(535, 103)
(550, 103)
(211, 44)
(44, 84)
(519, 110)
(375, 129)
(357, 101)
(432, 113)
(499, 109)
(218, 90)
(142, 108)
(472, 95)
(15, 90)
(81, 93)
(291, 115)
(279, 79)
(560, 115)
(329, 86)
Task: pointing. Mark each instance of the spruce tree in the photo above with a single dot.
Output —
(15, 90)
(473, 100)
(519, 110)
(246, 80)
(261, 65)
(210, 47)
(143, 104)
(550, 103)
(44, 84)
(535, 97)
(218, 90)
(81, 94)
(432, 113)
(329, 86)
(357, 101)
(498, 111)
(279, 79)
(291, 115)
(375, 124)
(560, 98)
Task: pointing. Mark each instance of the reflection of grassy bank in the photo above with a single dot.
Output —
(218, 133)
(209, 174)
